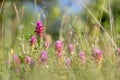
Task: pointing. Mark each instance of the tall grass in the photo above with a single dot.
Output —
(73, 31)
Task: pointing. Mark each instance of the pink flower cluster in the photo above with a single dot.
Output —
(33, 41)
(28, 60)
(39, 32)
(68, 62)
(43, 57)
(97, 55)
(82, 57)
(39, 28)
(58, 47)
(71, 48)
(16, 59)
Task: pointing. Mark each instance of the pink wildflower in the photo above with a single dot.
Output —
(16, 58)
(28, 60)
(39, 28)
(97, 55)
(82, 57)
(43, 56)
(71, 48)
(68, 62)
(58, 47)
(33, 41)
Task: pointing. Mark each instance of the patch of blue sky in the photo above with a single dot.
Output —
(31, 8)
(70, 6)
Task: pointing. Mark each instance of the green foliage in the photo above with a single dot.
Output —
(77, 30)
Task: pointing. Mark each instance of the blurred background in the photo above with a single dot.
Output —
(20, 16)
